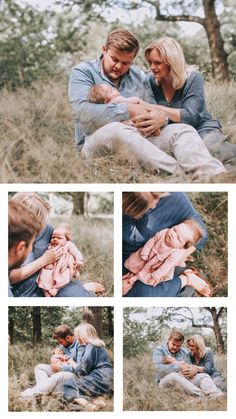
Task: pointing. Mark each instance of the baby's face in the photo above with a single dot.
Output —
(109, 92)
(178, 235)
(58, 237)
(58, 351)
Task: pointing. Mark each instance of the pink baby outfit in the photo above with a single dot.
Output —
(160, 259)
(50, 278)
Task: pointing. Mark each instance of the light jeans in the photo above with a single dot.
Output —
(200, 384)
(178, 140)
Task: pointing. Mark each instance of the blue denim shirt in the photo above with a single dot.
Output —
(74, 351)
(88, 117)
(164, 369)
(207, 362)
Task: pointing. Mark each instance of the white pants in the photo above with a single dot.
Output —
(47, 381)
(180, 140)
(200, 384)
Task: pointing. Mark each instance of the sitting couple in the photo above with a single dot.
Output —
(170, 127)
(52, 267)
(79, 369)
(160, 232)
(191, 370)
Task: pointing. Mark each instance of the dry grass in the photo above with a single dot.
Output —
(36, 133)
(94, 238)
(141, 393)
(20, 378)
(212, 260)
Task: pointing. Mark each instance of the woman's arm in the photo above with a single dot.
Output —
(50, 256)
(192, 107)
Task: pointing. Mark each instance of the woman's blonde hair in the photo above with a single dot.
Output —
(88, 334)
(38, 206)
(171, 53)
(199, 342)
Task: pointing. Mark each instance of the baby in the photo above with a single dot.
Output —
(156, 260)
(55, 276)
(103, 93)
(58, 356)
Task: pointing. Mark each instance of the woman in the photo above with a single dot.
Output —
(203, 359)
(195, 379)
(23, 279)
(144, 214)
(94, 374)
(179, 93)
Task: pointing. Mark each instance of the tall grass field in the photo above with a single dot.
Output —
(37, 146)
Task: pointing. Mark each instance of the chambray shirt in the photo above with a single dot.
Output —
(207, 362)
(88, 117)
(164, 369)
(190, 99)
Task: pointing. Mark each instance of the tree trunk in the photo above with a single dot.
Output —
(218, 54)
(11, 331)
(211, 25)
(78, 200)
(110, 321)
(36, 319)
(217, 330)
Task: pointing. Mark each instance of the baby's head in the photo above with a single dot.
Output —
(57, 351)
(102, 93)
(185, 234)
(61, 234)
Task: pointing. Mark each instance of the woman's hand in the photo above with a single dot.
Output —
(189, 371)
(52, 255)
(149, 122)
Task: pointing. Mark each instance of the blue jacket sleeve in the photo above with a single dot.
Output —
(163, 369)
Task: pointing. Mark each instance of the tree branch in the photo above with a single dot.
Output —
(179, 18)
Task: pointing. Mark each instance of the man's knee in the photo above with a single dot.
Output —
(169, 379)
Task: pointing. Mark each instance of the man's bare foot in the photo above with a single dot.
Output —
(94, 287)
(100, 402)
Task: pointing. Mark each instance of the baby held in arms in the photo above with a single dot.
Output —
(55, 276)
(58, 356)
(156, 260)
(104, 94)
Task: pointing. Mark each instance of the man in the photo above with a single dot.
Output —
(71, 348)
(51, 377)
(172, 363)
(114, 67)
(22, 229)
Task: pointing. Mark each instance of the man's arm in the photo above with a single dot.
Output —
(163, 369)
(91, 115)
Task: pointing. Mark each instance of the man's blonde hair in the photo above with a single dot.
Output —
(88, 334)
(171, 53)
(34, 202)
(199, 342)
(122, 40)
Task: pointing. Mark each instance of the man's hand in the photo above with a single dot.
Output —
(56, 367)
(149, 122)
